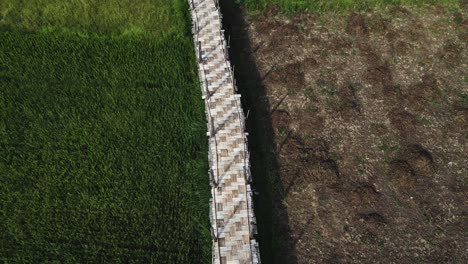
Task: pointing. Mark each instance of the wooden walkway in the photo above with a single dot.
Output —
(232, 216)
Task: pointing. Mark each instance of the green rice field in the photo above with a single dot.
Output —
(103, 148)
(145, 17)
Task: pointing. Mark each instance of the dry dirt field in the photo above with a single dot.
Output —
(369, 115)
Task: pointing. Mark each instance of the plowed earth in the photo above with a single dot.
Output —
(370, 119)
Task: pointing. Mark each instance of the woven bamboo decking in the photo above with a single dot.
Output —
(232, 216)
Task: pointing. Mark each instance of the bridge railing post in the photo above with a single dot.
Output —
(213, 179)
(200, 59)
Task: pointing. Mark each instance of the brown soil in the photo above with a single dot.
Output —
(370, 119)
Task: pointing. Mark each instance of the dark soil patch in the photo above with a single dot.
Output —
(377, 23)
(291, 75)
(461, 104)
(340, 43)
(402, 173)
(366, 189)
(311, 121)
(450, 54)
(401, 47)
(349, 102)
(279, 31)
(372, 218)
(392, 92)
(379, 75)
(421, 94)
(402, 121)
(316, 164)
(356, 25)
(420, 160)
(281, 120)
(358, 194)
(310, 64)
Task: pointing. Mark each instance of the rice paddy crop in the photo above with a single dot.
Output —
(102, 141)
(151, 17)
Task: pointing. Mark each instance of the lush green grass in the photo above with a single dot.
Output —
(337, 5)
(102, 134)
(102, 150)
(154, 17)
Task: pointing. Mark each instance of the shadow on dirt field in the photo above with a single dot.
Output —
(272, 216)
(358, 125)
